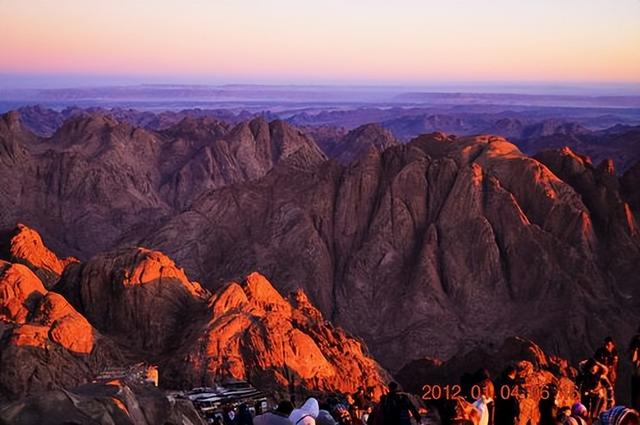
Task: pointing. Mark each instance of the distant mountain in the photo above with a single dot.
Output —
(44, 121)
(347, 147)
(97, 179)
(619, 143)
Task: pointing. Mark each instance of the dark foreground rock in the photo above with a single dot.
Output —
(106, 403)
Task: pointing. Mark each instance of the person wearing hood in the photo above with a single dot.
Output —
(325, 418)
(579, 415)
(306, 414)
(618, 415)
(280, 416)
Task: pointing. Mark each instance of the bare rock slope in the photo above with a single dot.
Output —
(469, 232)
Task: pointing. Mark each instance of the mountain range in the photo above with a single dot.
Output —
(307, 243)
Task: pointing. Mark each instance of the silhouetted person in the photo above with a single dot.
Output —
(360, 399)
(229, 416)
(244, 416)
(548, 407)
(280, 416)
(564, 415)
(634, 351)
(608, 356)
(397, 409)
(324, 415)
(596, 392)
(507, 408)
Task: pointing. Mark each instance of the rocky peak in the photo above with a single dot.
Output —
(630, 183)
(136, 295)
(14, 138)
(199, 129)
(20, 291)
(607, 167)
(253, 333)
(46, 343)
(600, 191)
(11, 121)
(24, 245)
(359, 142)
(260, 292)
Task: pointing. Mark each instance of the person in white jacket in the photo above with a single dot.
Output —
(306, 414)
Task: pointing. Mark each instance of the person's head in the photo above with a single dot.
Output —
(285, 407)
(563, 412)
(591, 366)
(393, 387)
(341, 413)
(579, 409)
(609, 345)
(631, 418)
(309, 408)
(619, 415)
(487, 388)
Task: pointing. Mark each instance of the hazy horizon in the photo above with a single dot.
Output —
(18, 82)
(408, 43)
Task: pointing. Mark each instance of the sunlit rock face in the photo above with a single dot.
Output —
(251, 332)
(135, 295)
(141, 302)
(46, 343)
(24, 245)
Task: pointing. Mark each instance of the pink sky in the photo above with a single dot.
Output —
(406, 41)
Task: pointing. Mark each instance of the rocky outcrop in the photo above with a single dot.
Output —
(630, 183)
(44, 343)
(252, 333)
(612, 217)
(245, 152)
(24, 245)
(138, 296)
(13, 138)
(356, 142)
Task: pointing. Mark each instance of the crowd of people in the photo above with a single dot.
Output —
(596, 382)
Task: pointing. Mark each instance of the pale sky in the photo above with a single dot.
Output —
(328, 41)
